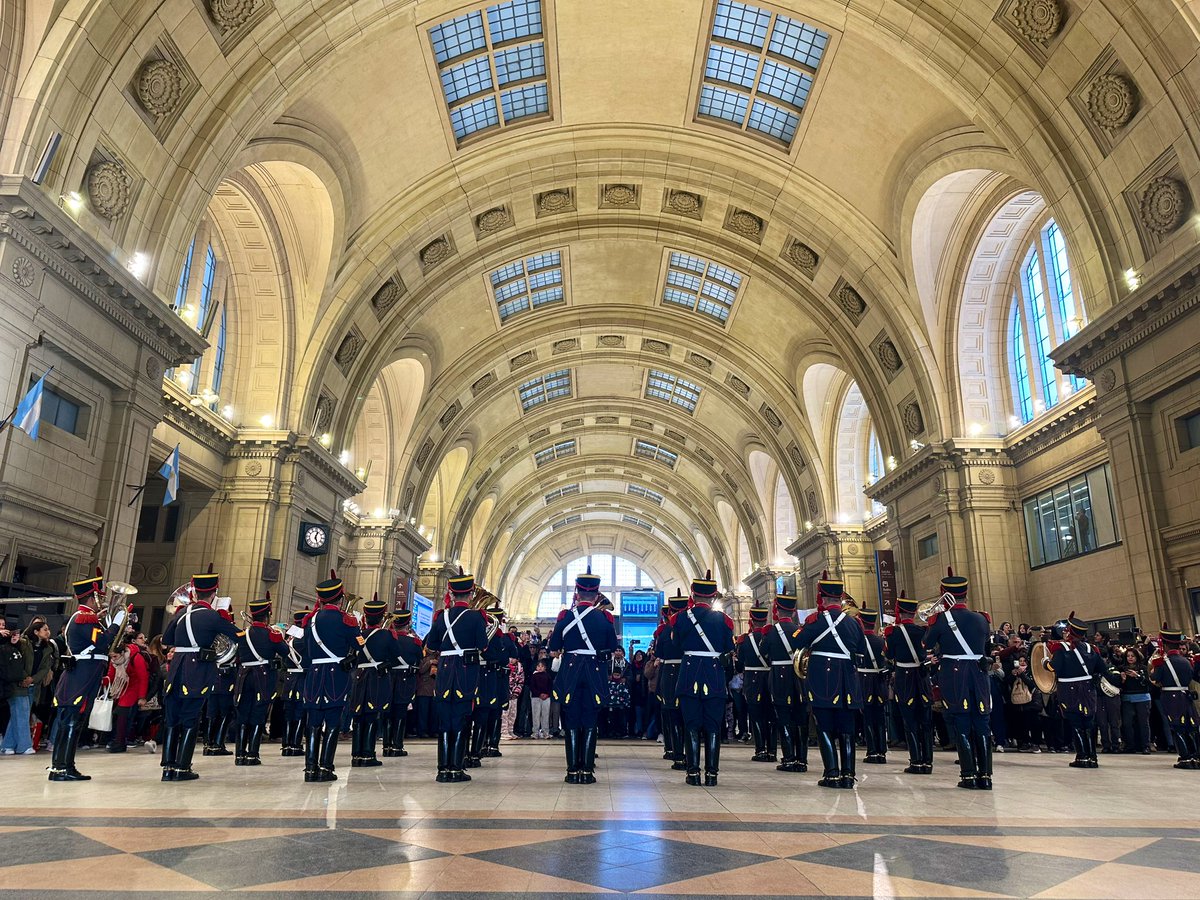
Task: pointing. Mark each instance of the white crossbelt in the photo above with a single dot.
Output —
(710, 652)
(762, 662)
(672, 662)
(916, 663)
(328, 658)
(1174, 677)
(258, 659)
(787, 646)
(962, 642)
(187, 626)
(1082, 665)
(874, 662)
(372, 662)
(831, 628)
(581, 652)
(583, 632)
(457, 650)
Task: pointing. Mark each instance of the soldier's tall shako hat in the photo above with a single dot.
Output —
(89, 586)
(461, 585)
(260, 610)
(869, 618)
(907, 606)
(704, 588)
(374, 610)
(587, 583)
(786, 602)
(331, 590)
(665, 612)
(677, 602)
(1077, 627)
(1169, 635)
(955, 585)
(206, 584)
(759, 613)
(300, 615)
(402, 617)
(829, 591)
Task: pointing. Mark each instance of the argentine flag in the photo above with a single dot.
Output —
(170, 471)
(28, 414)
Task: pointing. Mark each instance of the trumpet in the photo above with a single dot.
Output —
(927, 609)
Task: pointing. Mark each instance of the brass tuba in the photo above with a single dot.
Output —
(800, 660)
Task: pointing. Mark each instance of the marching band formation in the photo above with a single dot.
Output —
(833, 668)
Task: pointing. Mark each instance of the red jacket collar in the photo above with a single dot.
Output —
(959, 605)
(204, 603)
(460, 603)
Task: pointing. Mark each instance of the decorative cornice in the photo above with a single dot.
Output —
(1062, 426)
(30, 219)
(941, 455)
(317, 458)
(196, 421)
(1148, 310)
(821, 536)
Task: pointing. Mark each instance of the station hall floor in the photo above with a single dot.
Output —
(1128, 829)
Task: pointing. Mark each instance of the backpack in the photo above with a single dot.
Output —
(1021, 694)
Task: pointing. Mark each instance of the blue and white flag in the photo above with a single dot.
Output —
(28, 414)
(170, 471)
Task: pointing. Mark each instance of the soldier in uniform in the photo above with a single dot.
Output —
(458, 636)
(756, 684)
(499, 653)
(788, 701)
(874, 672)
(903, 650)
(292, 689)
(834, 687)
(1172, 671)
(1076, 666)
(331, 638)
(261, 650)
(371, 693)
(479, 735)
(584, 636)
(705, 638)
(667, 651)
(85, 662)
(192, 674)
(220, 706)
(960, 635)
(409, 650)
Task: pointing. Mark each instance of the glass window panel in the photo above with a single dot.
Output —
(684, 280)
(1065, 522)
(721, 103)
(467, 79)
(1032, 534)
(541, 298)
(1036, 296)
(545, 278)
(474, 116)
(1048, 526)
(513, 307)
(731, 66)
(785, 83)
(219, 358)
(147, 529)
(741, 22)
(724, 275)
(171, 526)
(185, 276)
(510, 290)
(458, 36)
(1024, 395)
(526, 101)
(691, 263)
(543, 261)
(518, 19)
(521, 63)
(773, 120)
(797, 41)
(505, 273)
(719, 293)
(671, 295)
(1103, 525)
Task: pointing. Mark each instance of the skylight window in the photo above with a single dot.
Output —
(759, 70)
(563, 523)
(545, 388)
(651, 450)
(646, 494)
(672, 389)
(564, 491)
(640, 523)
(492, 67)
(555, 451)
(700, 285)
(528, 283)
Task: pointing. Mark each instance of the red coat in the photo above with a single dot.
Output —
(139, 680)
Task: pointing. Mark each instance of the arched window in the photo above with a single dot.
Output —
(219, 359)
(785, 517)
(1046, 312)
(874, 458)
(616, 574)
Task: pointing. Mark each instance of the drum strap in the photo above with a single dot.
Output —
(831, 625)
(962, 641)
(328, 658)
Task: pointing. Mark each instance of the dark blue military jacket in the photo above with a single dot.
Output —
(88, 641)
(409, 650)
(372, 674)
(666, 650)
(329, 637)
(458, 675)
(964, 685)
(1176, 703)
(912, 679)
(755, 664)
(873, 667)
(786, 688)
(258, 646)
(579, 676)
(702, 673)
(194, 628)
(833, 680)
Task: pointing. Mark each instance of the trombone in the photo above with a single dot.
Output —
(927, 609)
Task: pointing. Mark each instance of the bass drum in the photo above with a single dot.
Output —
(1043, 676)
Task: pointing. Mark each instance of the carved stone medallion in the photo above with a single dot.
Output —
(159, 86)
(108, 189)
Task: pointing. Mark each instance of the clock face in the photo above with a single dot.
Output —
(315, 537)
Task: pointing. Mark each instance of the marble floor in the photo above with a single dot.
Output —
(1128, 829)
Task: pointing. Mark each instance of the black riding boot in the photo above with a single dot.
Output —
(915, 757)
(68, 739)
(475, 748)
(495, 727)
(329, 742)
(367, 758)
(802, 744)
(926, 738)
(170, 748)
(877, 742)
(241, 737)
(771, 739)
(253, 745)
(570, 746)
(183, 758)
(712, 757)
(760, 740)
(587, 755)
(312, 754)
(398, 728)
(968, 771)
(292, 737)
(982, 745)
(668, 734)
(787, 743)
(444, 742)
(458, 755)
(680, 763)
(691, 750)
(1081, 752)
(1089, 739)
(846, 747)
(832, 777)
(357, 729)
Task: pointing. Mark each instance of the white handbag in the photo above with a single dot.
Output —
(101, 716)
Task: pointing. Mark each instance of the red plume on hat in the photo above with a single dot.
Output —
(99, 572)
(375, 597)
(267, 595)
(332, 574)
